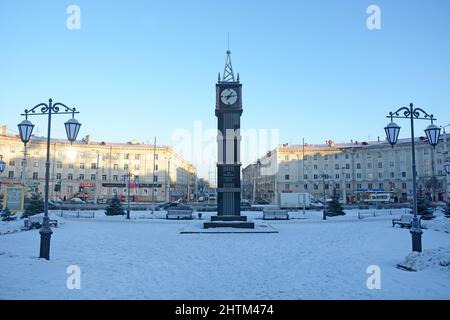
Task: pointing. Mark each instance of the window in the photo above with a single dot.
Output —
(369, 156)
(286, 177)
(358, 166)
(125, 167)
(369, 165)
(305, 177)
(286, 158)
(348, 186)
(316, 187)
(380, 175)
(305, 158)
(380, 165)
(70, 166)
(81, 176)
(104, 177)
(336, 167)
(305, 186)
(315, 157)
(370, 175)
(93, 165)
(12, 163)
(126, 156)
(36, 164)
(380, 186)
(338, 186)
(404, 186)
(155, 178)
(315, 167)
(69, 189)
(392, 164)
(35, 175)
(358, 176)
(286, 187)
(11, 175)
(347, 176)
(403, 174)
(137, 156)
(337, 176)
(156, 167)
(59, 165)
(116, 167)
(157, 157)
(115, 177)
(347, 166)
(327, 186)
(380, 155)
(392, 175)
(93, 177)
(336, 156)
(370, 186)
(326, 157)
(359, 186)
(316, 177)
(70, 176)
(81, 165)
(58, 176)
(347, 156)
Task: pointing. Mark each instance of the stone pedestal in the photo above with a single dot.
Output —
(240, 222)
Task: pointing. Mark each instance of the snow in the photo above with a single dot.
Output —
(148, 258)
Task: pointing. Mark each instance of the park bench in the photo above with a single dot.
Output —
(36, 223)
(179, 215)
(272, 214)
(404, 221)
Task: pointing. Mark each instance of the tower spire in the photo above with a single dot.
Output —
(228, 74)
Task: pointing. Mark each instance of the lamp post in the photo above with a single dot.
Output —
(128, 177)
(26, 129)
(446, 162)
(324, 176)
(2, 167)
(433, 133)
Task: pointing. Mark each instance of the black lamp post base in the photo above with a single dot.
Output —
(416, 234)
(46, 234)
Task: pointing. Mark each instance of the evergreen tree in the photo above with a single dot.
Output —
(35, 206)
(424, 207)
(7, 215)
(115, 208)
(447, 210)
(334, 207)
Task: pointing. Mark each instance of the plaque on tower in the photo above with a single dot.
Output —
(228, 113)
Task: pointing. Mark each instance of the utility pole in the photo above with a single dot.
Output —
(96, 178)
(153, 172)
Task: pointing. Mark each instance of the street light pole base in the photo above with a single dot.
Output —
(46, 234)
(416, 234)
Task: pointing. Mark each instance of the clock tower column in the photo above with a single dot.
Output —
(228, 112)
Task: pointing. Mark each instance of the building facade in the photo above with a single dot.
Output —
(354, 170)
(98, 170)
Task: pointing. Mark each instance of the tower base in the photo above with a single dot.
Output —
(239, 222)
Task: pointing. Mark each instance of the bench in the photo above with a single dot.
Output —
(37, 222)
(404, 221)
(275, 214)
(179, 215)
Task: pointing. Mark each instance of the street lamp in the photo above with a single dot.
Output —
(128, 177)
(433, 133)
(25, 131)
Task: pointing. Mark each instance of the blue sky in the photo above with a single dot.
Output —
(312, 69)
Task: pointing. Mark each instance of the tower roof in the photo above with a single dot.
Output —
(228, 74)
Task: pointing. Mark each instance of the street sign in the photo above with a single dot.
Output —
(13, 199)
(114, 185)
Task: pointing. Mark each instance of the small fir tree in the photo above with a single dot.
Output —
(7, 215)
(115, 208)
(424, 208)
(447, 210)
(334, 207)
(35, 206)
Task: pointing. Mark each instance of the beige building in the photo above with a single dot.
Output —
(355, 170)
(97, 170)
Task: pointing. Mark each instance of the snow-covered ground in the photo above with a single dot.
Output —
(148, 258)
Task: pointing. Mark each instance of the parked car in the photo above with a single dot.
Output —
(172, 206)
(245, 205)
(77, 201)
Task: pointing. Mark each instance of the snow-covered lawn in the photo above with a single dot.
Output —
(147, 258)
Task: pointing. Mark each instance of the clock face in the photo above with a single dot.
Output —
(229, 96)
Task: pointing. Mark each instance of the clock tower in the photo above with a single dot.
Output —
(228, 112)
